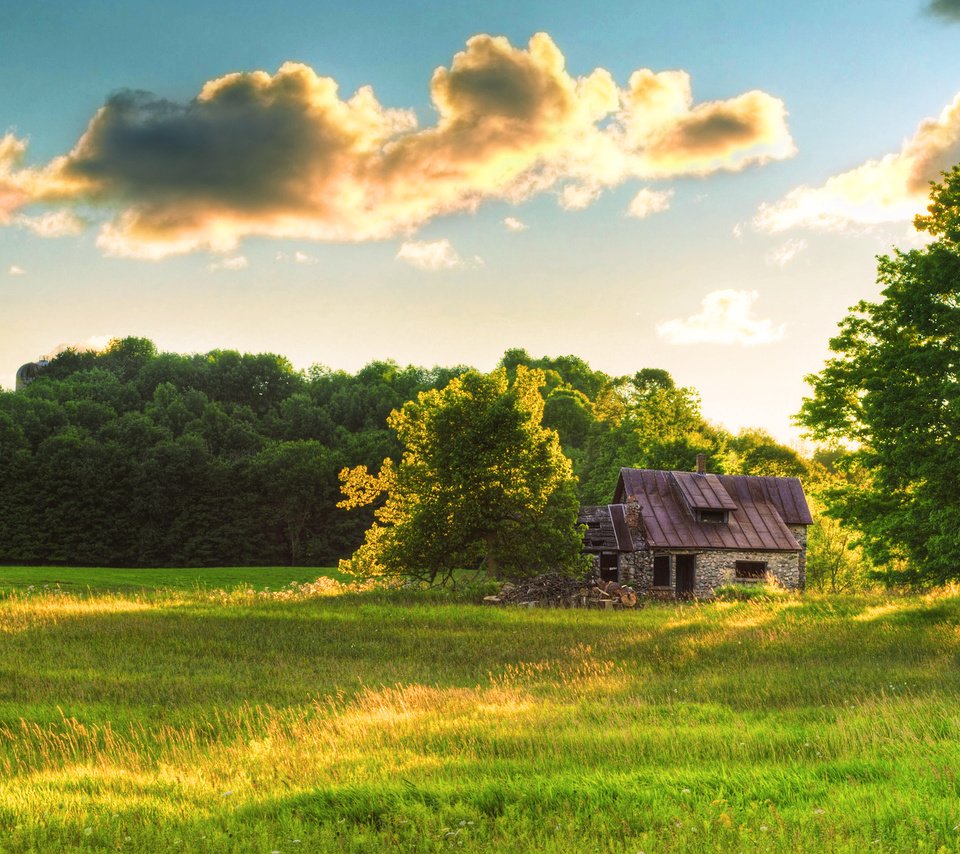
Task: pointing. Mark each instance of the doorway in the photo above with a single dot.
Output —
(684, 569)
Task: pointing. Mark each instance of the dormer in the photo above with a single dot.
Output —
(703, 494)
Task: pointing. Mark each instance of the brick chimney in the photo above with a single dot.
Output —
(701, 463)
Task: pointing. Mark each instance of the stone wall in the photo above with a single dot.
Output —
(713, 568)
(800, 535)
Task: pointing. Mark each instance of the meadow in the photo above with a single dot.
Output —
(189, 718)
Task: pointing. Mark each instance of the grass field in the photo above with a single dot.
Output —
(191, 720)
(108, 580)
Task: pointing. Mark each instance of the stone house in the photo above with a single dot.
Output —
(682, 534)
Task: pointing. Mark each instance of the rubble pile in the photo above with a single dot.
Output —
(554, 590)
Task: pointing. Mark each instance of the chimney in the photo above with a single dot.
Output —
(701, 463)
(632, 513)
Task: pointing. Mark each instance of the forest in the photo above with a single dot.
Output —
(133, 457)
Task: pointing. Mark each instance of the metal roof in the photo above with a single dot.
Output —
(702, 491)
(757, 521)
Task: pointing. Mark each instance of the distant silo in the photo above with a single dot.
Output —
(27, 373)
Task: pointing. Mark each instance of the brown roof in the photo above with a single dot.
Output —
(757, 521)
(702, 491)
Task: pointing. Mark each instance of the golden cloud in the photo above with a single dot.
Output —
(284, 155)
(892, 189)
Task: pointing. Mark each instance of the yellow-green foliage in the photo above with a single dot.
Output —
(319, 720)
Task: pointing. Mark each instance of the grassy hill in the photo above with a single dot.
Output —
(195, 720)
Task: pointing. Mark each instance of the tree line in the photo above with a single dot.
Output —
(134, 457)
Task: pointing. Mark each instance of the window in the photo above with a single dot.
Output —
(716, 517)
(661, 571)
(751, 569)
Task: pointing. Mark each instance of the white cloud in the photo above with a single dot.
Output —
(95, 344)
(16, 271)
(430, 254)
(234, 262)
(59, 223)
(576, 197)
(738, 231)
(304, 258)
(514, 224)
(725, 318)
(648, 202)
(782, 255)
(893, 188)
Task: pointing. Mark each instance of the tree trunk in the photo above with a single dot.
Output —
(493, 570)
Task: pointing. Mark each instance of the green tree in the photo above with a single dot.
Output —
(481, 483)
(892, 389)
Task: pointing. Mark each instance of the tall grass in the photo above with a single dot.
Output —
(191, 720)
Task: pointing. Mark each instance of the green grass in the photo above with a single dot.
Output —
(72, 578)
(199, 721)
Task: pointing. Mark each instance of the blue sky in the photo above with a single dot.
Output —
(495, 235)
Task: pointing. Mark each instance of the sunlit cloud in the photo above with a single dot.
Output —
(892, 189)
(668, 135)
(234, 262)
(430, 254)
(782, 255)
(648, 202)
(947, 9)
(93, 344)
(576, 197)
(725, 317)
(59, 223)
(283, 155)
(305, 258)
(16, 271)
(513, 224)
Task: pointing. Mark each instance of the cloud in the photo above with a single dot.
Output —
(892, 189)
(59, 223)
(304, 258)
(576, 197)
(782, 255)
(283, 155)
(948, 9)
(513, 224)
(93, 344)
(648, 202)
(430, 254)
(234, 262)
(724, 318)
(16, 271)
(668, 135)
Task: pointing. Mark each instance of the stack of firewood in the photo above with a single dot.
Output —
(561, 591)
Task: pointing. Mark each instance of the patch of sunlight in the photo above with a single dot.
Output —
(22, 613)
(876, 612)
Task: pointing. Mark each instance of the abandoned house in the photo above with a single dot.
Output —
(680, 533)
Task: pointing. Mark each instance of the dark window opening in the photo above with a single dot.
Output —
(751, 568)
(609, 566)
(593, 535)
(661, 571)
(716, 517)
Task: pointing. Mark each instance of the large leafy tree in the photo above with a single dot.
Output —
(892, 389)
(481, 483)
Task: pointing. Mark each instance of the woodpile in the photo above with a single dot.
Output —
(554, 590)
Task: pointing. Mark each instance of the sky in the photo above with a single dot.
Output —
(693, 186)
